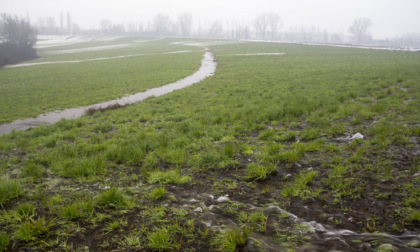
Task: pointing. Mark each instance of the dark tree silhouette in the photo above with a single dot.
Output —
(185, 24)
(17, 40)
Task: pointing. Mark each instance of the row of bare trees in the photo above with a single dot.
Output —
(265, 26)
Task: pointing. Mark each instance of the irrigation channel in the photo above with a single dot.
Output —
(208, 67)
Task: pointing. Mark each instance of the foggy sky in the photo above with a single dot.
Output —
(390, 18)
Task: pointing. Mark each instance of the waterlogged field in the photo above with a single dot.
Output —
(31, 90)
(260, 156)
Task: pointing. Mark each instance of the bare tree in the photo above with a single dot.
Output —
(216, 30)
(161, 24)
(359, 29)
(261, 25)
(68, 23)
(242, 32)
(274, 22)
(105, 25)
(61, 22)
(185, 24)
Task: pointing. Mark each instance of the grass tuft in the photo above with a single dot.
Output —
(9, 189)
(168, 177)
(259, 172)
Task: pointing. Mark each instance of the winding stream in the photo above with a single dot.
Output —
(208, 67)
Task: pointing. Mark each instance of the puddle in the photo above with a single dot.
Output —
(90, 49)
(213, 43)
(147, 40)
(46, 41)
(95, 59)
(323, 237)
(258, 54)
(208, 67)
(108, 38)
(367, 47)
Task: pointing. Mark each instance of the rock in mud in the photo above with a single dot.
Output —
(198, 209)
(223, 198)
(357, 136)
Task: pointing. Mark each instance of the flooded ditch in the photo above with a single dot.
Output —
(208, 67)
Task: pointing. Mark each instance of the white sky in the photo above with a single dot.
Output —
(390, 17)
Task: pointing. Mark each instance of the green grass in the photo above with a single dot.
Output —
(265, 130)
(111, 198)
(168, 177)
(59, 86)
(160, 239)
(158, 193)
(232, 239)
(259, 172)
(9, 189)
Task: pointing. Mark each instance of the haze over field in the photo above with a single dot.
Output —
(389, 18)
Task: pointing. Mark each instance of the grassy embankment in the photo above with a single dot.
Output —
(33, 90)
(266, 130)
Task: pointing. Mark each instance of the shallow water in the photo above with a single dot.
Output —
(323, 237)
(94, 59)
(208, 67)
(90, 49)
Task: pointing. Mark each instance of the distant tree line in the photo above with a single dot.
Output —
(265, 26)
(17, 40)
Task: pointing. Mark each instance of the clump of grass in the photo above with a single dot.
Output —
(34, 228)
(26, 210)
(309, 133)
(131, 240)
(168, 177)
(299, 185)
(157, 193)
(80, 168)
(160, 239)
(231, 240)
(34, 170)
(259, 172)
(4, 242)
(78, 209)
(414, 216)
(111, 198)
(9, 189)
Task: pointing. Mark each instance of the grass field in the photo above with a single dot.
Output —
(248, 157)
(33, 90)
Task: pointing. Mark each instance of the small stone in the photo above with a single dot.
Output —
(357, 136)
(193, 200)
(198, 209)
(211, 207)
(223, 199)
